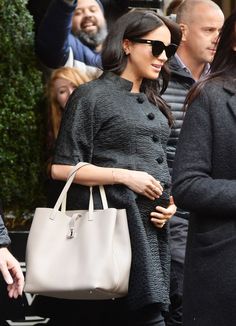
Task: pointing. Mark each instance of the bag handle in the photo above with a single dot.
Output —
(91, 203)
(66, 187)
(61, 201)
(71, 174)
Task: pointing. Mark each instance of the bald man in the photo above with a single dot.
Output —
(200, 22)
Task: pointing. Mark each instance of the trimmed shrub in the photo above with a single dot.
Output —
(20, 115)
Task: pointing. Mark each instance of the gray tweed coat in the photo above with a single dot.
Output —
(204, 182)
(107, 125)
(4, 238)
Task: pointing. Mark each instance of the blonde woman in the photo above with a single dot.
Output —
(59, 87)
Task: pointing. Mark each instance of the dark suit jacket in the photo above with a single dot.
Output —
(204, 182)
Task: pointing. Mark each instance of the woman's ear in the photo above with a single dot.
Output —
(126, 46)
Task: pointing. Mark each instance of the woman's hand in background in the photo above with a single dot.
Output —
(162, 215)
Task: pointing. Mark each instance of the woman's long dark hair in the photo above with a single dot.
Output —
(138, 23)
(224, 62)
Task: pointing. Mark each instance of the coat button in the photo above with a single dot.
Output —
(151, 116)
(155, 138)
(159, 160)
(140, 99)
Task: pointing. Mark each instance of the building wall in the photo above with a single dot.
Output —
(227, 6)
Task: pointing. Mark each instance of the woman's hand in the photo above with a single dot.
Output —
(162, 215)
(140, 182)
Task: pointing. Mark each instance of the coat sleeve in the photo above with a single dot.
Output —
(4, 238)
(75, 139)
(194, 186)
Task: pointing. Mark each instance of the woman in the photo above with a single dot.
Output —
(60, 86)
(62, 82)
(204, 179)
(120, 125)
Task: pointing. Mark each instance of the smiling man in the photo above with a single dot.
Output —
(88, 23)
(71, 34)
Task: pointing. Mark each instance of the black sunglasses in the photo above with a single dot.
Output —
(157, 46)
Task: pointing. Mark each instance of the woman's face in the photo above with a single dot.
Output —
(63, 89)
(141, 61)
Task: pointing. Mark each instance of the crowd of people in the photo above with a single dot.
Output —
(149, 101)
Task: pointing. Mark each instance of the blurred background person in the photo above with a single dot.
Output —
(71, 33)
(62, 82)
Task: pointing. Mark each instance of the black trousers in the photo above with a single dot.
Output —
(174, 316)
(103, 313)
(178, 239)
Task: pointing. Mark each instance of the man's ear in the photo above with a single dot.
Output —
(126, 46)
(184, 29)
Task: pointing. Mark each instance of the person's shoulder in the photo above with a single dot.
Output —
(91, 90)
(216, 86)
(215, 92)
(91, 85)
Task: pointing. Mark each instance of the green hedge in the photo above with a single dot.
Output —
(20, 115)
